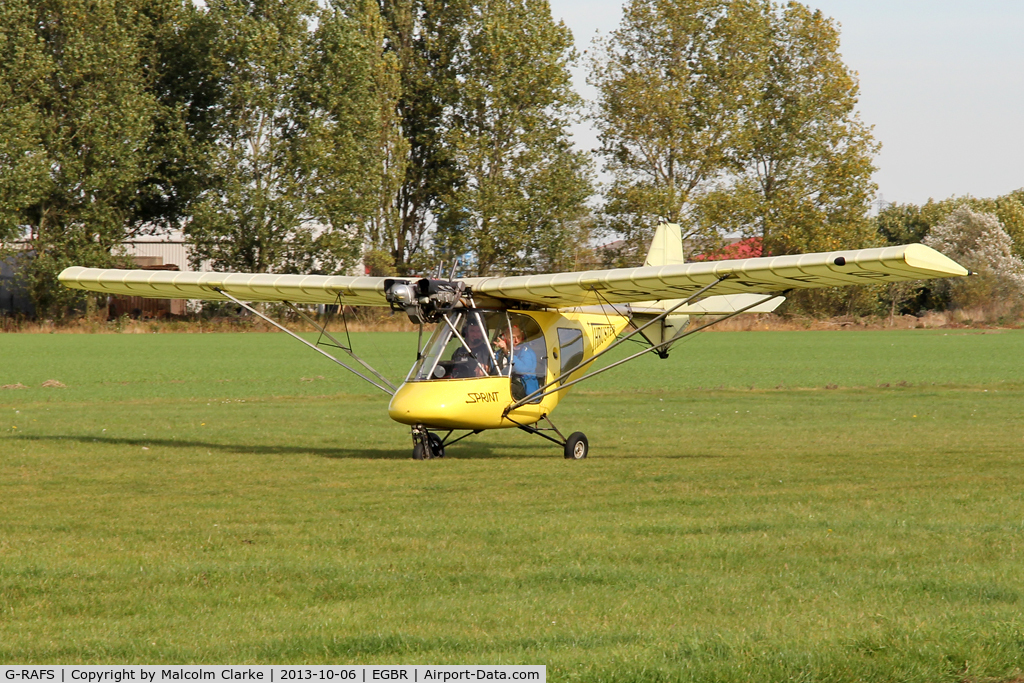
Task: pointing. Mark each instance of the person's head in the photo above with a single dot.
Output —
(473, 333)
(517, 335)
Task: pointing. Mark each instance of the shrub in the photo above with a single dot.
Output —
(978, 242)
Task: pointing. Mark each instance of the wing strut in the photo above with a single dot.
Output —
(339, 345)
(386, 390)
(636, 330)
(546, 390)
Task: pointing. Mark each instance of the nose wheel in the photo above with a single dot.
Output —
(426, 445)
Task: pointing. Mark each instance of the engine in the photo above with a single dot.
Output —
(423, 300)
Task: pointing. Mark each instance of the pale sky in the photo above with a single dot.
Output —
(941, 81)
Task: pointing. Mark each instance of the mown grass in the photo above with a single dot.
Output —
(196, 498)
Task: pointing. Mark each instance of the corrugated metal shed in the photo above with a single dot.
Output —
(14, 298)
(172, 252)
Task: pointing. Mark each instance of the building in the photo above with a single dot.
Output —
(148, 254)
(14, 298)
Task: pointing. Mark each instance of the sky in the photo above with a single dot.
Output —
(942, 83)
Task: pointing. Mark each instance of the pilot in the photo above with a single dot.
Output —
(524, 360)
(476, 360)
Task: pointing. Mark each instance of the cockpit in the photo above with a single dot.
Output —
(472, 343)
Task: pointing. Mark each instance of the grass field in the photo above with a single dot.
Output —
(231, 498)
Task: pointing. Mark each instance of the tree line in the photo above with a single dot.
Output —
(304, 135)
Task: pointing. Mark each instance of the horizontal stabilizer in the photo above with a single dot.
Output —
(730, 303)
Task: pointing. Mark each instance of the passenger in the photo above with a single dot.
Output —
(476, 360)
(524, 360)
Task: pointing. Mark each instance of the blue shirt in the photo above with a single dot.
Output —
(524, 364)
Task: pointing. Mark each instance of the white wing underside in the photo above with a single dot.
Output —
(562, 290)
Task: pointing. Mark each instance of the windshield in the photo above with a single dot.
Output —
(473, 343)
(461, 347)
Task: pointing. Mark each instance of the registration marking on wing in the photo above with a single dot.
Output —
(601, 332)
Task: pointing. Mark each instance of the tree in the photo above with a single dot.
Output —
(978, 242)
(902, 224)
(806, 159)
(524, 193)
(424, 36)
(291, 169)
(103, 111)
(178, 43)
(385, 234)
(733, 116)
(672, 83)
(905, 223)
(24, 68)
(93, 119)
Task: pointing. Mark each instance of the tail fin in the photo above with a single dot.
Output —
(666, 250)
(666, 247)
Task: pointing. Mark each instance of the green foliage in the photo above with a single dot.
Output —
(424, 36)
(671, 85)
(24, 65)
(806, 158)
(906, 223)
(524, 188)
(730, 116)
(388, 145)
(90, 120)
(294, 127)
(903, 223)
(379, 263)
(179, 46)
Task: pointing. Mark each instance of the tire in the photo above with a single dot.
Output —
(417, 452)
(576, 446)
(436, 445)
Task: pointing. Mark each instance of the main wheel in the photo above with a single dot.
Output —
(436, 445)
(576, 446)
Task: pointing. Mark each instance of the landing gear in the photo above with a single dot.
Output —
(426, 445)
(436, 445)
(576, 446)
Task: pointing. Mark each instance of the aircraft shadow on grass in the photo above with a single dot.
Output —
(468, 450)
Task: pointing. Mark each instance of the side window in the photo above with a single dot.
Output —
(530, 366)
(570, 348)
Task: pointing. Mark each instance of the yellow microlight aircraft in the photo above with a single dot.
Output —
(506, 350)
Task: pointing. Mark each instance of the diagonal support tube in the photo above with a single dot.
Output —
(390, 392)
(338, 344)
(545, 391)
(636, 330)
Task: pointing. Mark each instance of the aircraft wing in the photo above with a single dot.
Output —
(560, 290)
(743, 276)
(163, 284)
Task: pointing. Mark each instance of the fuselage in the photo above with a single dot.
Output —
(449, 388)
